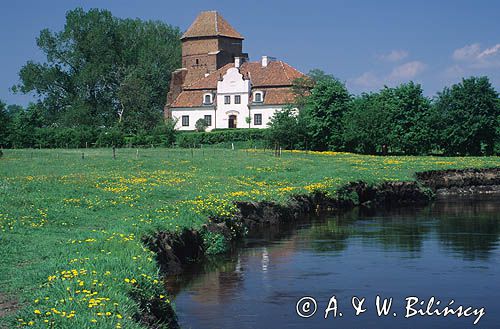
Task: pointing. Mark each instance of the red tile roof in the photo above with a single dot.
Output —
(209, 24)
(277, 73)
(275, 80)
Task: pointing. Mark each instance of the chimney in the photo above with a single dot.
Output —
(237, 62)
(266, 60)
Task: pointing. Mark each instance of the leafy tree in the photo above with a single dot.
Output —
(4, 124)
(101, 70)
(23, 126)
(394, 118)
(201, 125)
(409, 113)
(366, 125)
(466, 115)
(322, 112)
(285, 129)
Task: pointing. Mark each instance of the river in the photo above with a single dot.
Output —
(448, 250)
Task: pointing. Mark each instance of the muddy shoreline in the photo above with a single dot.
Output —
(175, 250)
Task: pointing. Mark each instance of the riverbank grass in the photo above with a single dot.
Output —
(71, 221)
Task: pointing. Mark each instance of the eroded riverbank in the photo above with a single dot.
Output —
(175, 251)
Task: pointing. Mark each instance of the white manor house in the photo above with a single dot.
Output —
(217, 83)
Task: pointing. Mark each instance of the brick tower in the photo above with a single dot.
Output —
(207, 45)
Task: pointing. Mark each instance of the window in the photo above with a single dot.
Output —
(207, 99)
(237, 99)
(257, 97)
(227, 99)
(197, 61)
(257, 119)
(208, 120)
(185, 120)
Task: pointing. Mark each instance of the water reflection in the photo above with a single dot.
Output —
(274, 264)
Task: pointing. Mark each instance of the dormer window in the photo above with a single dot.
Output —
(258, 97)
(207, 99)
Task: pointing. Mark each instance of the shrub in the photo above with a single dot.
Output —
(190, 139)
(110, 137)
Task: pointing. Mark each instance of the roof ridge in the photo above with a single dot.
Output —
(283, 67)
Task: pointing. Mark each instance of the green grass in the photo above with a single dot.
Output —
(71, 228)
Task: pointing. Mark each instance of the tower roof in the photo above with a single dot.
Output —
(210, 24)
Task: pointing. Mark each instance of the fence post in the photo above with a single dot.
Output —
(83, 156)
(114, 153)
(137, 154)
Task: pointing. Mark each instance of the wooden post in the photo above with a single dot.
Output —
(137, 154)
(83, 156)
(86, 145)
(114, 153)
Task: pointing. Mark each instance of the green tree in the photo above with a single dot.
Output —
(101, 70)
(4, 124)
(201, 125)
(408, 111)
(366, 125)
(322, 112)
(394, 118)
(22, 132)
(285, 129)
(466, 116)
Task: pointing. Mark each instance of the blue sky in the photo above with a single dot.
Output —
(366, 44)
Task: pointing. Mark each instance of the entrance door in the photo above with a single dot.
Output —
(232, 121)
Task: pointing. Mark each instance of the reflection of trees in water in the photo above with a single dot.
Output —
(468, 226)
(400, 229)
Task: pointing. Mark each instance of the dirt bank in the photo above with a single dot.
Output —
(175, 250)
(465, 181)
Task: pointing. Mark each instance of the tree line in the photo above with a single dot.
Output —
(104, 82)
(100, 71)
(463, 119)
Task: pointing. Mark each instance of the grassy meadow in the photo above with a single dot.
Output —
(71, 228)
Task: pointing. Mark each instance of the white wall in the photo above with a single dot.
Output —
(232, 84)
(194, 115)
(267, 113)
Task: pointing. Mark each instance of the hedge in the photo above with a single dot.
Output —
(194, 139)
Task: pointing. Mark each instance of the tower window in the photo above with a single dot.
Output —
(197, 61)
(237, 99)
(227, 99)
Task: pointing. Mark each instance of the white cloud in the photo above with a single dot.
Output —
(454, 71)
(367, 80)
(394, 56)
(407, 71)
(490, 51)
(400, 73)
(467, 53)
(474, 57)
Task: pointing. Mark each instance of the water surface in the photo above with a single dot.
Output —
(449, 250)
